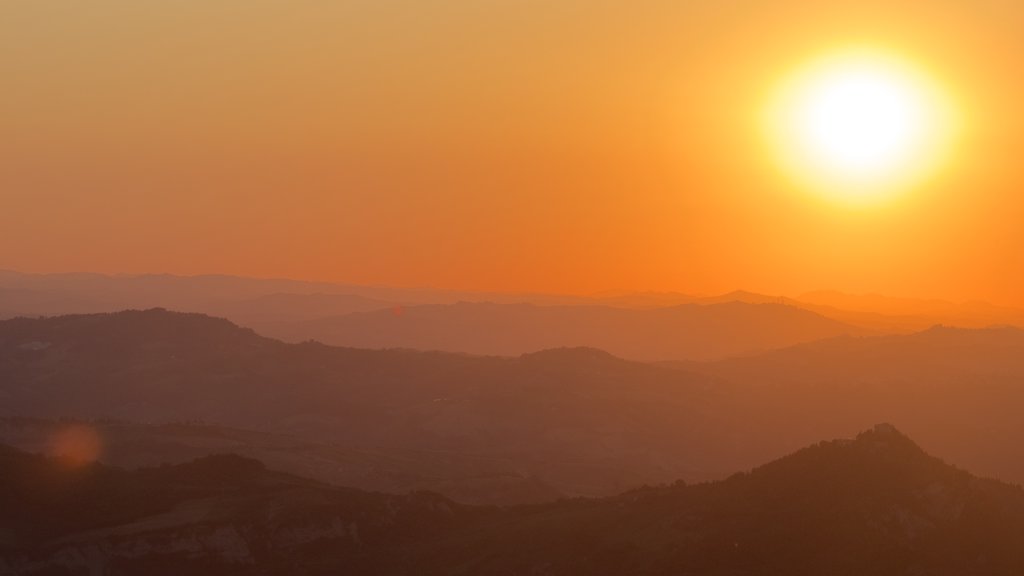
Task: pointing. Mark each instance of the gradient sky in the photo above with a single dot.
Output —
(548, 145)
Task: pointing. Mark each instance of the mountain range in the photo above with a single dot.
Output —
(686, 331)
(876, 504)
(484, 429)
(469, 321)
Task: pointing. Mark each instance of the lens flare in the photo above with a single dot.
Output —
(76, 445)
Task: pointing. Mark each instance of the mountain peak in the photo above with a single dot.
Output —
(886, 429)
(885, 436)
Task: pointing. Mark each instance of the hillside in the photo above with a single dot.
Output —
(579, 420)
(955, 390)
(635, 326)
(221, 514)
(465, 477)
(873, 505)
(500, 430)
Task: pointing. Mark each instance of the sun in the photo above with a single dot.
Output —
(860, 126)
(860, 121)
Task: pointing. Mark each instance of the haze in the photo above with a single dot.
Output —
(508, 146)
(511, 287)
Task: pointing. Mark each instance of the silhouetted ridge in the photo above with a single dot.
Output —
(219, 469)
(942, 332)
(571, 354)
(388, 413)
(880, 468)
(885, 437)
(9, 453)
(575, 362)
(155, 324)
(872, 505)
(685, 331)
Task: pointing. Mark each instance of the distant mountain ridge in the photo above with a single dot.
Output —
(477, 323)
(547, 416)
(266, 303)
(685, 331)
(572, 421)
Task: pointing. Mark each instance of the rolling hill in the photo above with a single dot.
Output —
(876, 504)
(574, 421)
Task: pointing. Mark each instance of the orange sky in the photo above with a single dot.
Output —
(540, 145)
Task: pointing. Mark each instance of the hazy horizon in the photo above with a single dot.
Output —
(610, 291)
(544, 147)
(511, 287)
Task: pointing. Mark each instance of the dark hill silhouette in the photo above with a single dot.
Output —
(955, 390)
(687, 331)
(492, 429)
(873, 505)
(581, 421)
(220, 514)
(876, 504)
(467, 477)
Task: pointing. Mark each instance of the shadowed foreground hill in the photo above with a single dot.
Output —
(874, 505)
(466, 477)
(221, 514)
(683, 332)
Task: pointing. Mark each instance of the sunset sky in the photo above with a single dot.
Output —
(541, 145)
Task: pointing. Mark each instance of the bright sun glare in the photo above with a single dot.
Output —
(860, 126)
